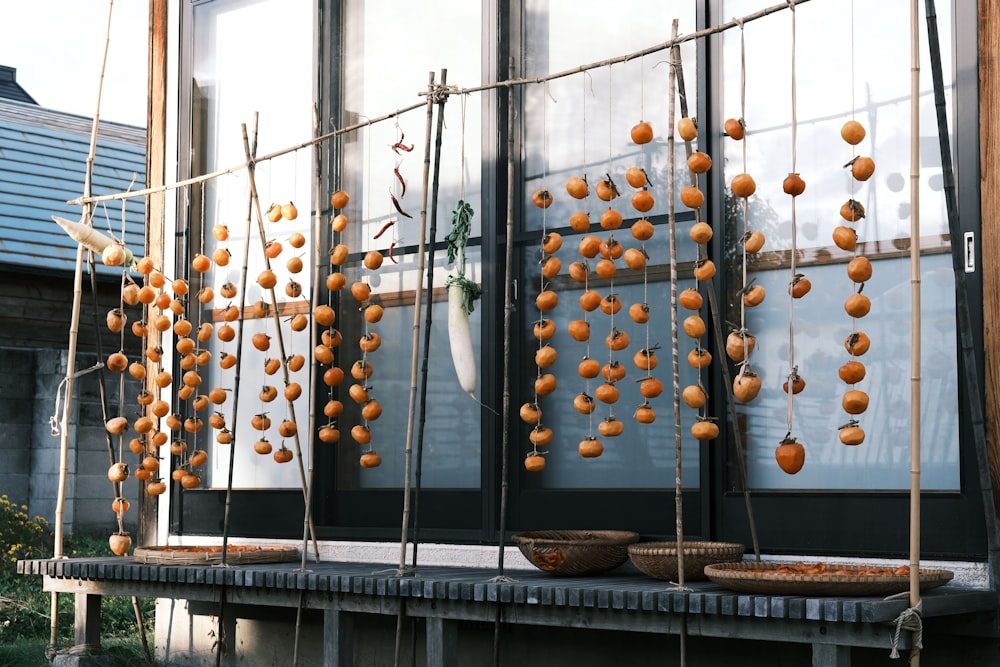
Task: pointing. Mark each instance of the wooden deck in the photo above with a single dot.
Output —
(622, 601)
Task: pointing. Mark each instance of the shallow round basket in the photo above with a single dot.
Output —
(212, 555)
(659, 559)
(771, 579)
(576, 552)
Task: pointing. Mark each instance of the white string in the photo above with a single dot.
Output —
(611, 281)
(586, 279)
(461, 191)
(791, 299)
(744, 207)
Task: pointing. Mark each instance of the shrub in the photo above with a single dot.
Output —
(23, 603)
(25, 607)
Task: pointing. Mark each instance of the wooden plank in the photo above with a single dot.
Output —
(831, 610)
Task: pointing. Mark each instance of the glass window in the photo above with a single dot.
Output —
(232, 78)
(383, 171)
(829, 92)
(579, 127)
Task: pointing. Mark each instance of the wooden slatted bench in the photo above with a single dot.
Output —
(622, 601)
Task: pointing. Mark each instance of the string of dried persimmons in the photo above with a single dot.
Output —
(606, 268)
(637, 259)
(740, 343)
(544, 327)
(859, 271)
(590, 299)
(704, 428)
(790, 454)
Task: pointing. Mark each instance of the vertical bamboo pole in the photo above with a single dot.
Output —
(915, 316)
(678, 434)
(674, 353)
(74, 329)
(508, 309)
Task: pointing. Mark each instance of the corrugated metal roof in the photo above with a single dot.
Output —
(43, 156)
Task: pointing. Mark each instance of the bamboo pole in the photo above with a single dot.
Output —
(674, 336)
(720, 340)
(442, 98)
(674, 353)
(220, 637)
(417, 305)
(915, 320)
(508, 309)
(279, 336)
(307, 515)
(74, 329)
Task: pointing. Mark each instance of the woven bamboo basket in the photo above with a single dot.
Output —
(659, 559)
(212, 555)
(765, 578)
(576, 552)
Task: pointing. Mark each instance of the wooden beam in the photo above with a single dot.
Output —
(989, 99)
(156, 152)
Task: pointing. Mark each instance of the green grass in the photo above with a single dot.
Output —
(31, 652)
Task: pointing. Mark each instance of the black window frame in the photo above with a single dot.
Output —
(836, 523)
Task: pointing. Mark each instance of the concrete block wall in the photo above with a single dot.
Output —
(16, 417)
(93, 493)
(30, 450)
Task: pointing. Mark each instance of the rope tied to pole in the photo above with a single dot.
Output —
(909, 619)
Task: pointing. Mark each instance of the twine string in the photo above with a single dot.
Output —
(910, 620)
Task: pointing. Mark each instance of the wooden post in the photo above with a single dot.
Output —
(442, 642)
(338, 634)
(87, 626)
(831, 655)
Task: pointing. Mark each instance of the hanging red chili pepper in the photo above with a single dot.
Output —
(395, 203)
(400, 146)
(384, 229)
(402, 181)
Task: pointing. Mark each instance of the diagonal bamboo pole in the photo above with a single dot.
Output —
(428, 319)
(279, 336)
(313, 302)
(442, 98)
(417, 305)
(720, 340)
(414, 361)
